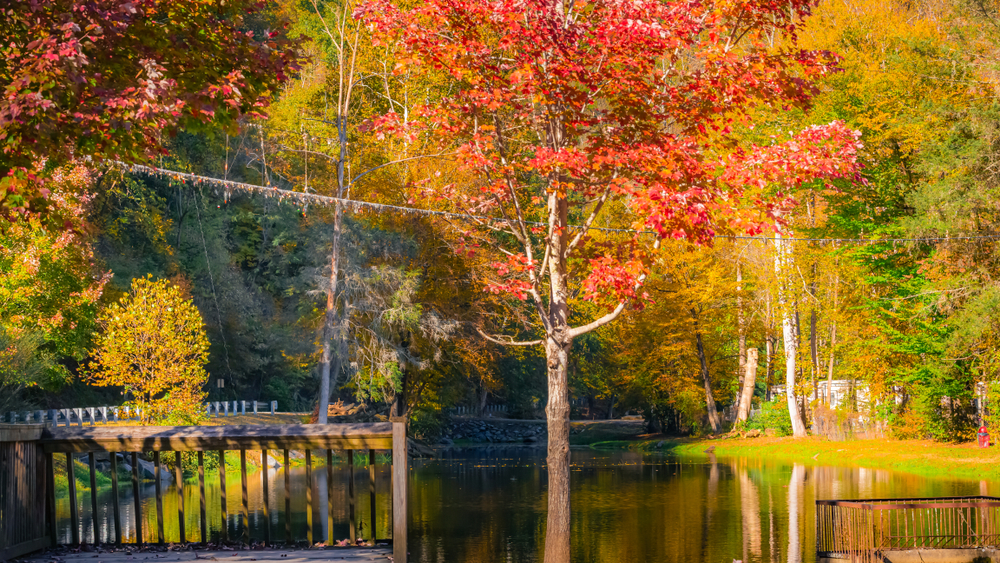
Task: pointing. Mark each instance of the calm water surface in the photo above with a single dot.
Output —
(488, 505)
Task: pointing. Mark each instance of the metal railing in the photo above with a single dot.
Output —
(27, 477)
(862, 530)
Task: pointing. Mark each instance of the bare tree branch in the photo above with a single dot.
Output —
(508, 342)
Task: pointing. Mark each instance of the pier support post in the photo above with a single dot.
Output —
(400, 475)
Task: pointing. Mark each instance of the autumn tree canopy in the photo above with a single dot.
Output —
(566, 117)
(113, 79)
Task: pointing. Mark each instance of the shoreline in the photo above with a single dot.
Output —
(924, 458)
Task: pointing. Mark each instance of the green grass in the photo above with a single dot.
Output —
(81, 471)
(918, 457)
(590, 433)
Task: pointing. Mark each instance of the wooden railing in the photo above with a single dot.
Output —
(862, 530)
(27, 477)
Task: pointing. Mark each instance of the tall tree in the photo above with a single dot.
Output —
(567, 116)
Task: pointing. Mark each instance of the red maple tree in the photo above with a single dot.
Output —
(572, 114)
(113, 78)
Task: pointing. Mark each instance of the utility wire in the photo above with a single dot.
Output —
(355, 205)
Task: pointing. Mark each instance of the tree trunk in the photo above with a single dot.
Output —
(814, 349)
(558, 343)
(833, 346)
(713, 413)
(557, 530)
(782, 262)
(331, 326)
(483, 395)
(749, 383)
(769, 371)
(742, 337)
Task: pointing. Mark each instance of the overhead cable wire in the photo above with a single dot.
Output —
(355, 205)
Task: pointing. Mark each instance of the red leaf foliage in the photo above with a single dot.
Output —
(109, 78)
(554, 103)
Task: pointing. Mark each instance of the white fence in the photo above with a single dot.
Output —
(474, 410)
(78, 416)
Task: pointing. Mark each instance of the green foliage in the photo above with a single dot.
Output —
(425, 423)
(772, 415)
(23, 364)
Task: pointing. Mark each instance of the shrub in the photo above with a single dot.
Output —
(773, 415)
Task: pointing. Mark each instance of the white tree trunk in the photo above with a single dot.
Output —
(749, 383)
(783, 264)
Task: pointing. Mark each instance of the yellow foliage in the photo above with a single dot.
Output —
(154, 345)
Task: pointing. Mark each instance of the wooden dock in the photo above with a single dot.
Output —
(28, 503)
(337, 554)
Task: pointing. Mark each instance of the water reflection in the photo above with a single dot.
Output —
(488, 506)
(234, 507)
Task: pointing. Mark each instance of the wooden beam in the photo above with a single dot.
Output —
(400, 476)
(376, 435)
(203, 520)
(136, 499)
(245, 514)
(114, 495)
(74, 515)
(179, 483)
(94, 515)
(309, 499)
(20, 432)
(157, 468)
(267, 498)
(222, 493)
(350, 497)
(288, 499)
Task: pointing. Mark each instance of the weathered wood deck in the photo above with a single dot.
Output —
(346, 555)
(28, 503)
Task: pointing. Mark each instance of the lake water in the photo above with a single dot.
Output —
(488, 505)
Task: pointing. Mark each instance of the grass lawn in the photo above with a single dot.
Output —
(919, 457)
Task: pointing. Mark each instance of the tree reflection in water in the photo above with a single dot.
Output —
(487, 505)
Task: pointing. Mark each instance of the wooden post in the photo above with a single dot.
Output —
(371, 493)
(74, 515)
(159, 497)
(203, 521)
(267, 500)
(350, 497)
(179, 477)
(309, 498)
(50, 493)
(400, 474)
(135, 498)
(329, 497)
(288, 501)
(114, 496)
(94, 516)
(246, 497)
(222, 484)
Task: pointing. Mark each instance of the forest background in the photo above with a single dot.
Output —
(912, 325)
